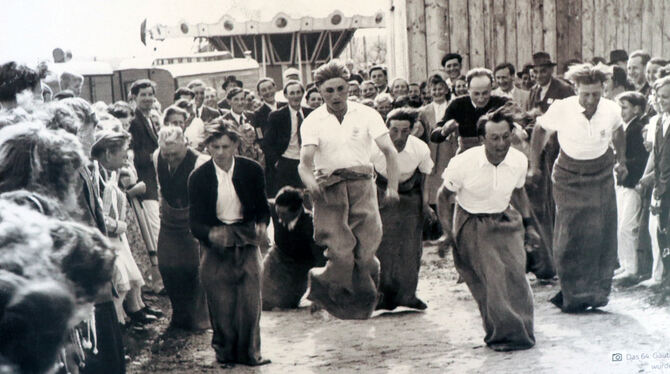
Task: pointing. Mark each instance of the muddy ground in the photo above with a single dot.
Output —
(446, 338)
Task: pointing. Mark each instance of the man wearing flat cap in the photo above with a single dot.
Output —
(619, 57)
(547, 89)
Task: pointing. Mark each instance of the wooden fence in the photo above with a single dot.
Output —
(488, 32)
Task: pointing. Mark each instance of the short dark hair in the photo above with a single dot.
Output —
(290, 197)
(140, 84)
(597, 59)
(293, 83)
(378, 67)
(402, 114)
(451, 56)
(478, 72)
(401, 101)
(15, 79)
(219, 128)
(181, 91)
(263, 80)
(642, 54)
(331, 70)
(634, 98)
(505, 113)
(620, 77)
(120, 109)
(505, 65)
(310, 91)
(183, 104)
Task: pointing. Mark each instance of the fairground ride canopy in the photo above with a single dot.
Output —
(296, 32)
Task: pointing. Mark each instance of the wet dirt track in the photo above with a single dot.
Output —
(446, 338)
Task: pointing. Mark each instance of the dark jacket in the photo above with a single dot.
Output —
(278, 133)
(260, 120)
(557, 90)
(208, 114)
(249, 183)
(143, 143)
(662, 164)
(636, 154)
(466, 115)
(298, 244)
(227, 115)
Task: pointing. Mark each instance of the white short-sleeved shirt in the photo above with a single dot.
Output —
(346, 144)
(480, 186)
(580, 138)
(416, 154)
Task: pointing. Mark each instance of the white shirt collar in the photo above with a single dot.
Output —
(220, 171)
(483, 160)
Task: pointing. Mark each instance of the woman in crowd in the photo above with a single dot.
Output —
(383, 104)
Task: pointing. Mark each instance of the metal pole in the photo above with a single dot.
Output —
(299, 55)
(263, 51)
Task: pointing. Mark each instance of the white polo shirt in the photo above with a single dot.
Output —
(416, 154)
(480, 186)
(346, 144)
(579, 137)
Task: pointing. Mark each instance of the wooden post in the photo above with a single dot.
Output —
(416, 40)
(397, 52)
(437, 42)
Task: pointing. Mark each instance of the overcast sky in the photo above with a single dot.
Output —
(31, 29)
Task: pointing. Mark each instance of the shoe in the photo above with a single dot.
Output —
(154, 312)
(650, 283)
(260, 362)
(142, 318)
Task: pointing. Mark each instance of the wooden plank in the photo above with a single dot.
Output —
(562, 33)
(550, 28)
(524, 37)
(499, 23)
(635, 25)
(536, 25)
(666, 30)
(619, 6)
(610, 28)
(623, 27)
(489, 59)
(459, 28)
(575, 29)
(477, 39)
(602, 26)
(588, 29)
(437, 38)
(510, 34)
(657, 29)
(647, 24)
(416, 40)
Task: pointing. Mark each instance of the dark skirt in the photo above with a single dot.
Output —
(400, 251)
(178, 260)
(585, 235)
(490, 257)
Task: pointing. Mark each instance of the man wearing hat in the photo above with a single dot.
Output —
(618, 57)
(547, 89)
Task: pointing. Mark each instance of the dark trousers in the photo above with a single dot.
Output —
(286, 174)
